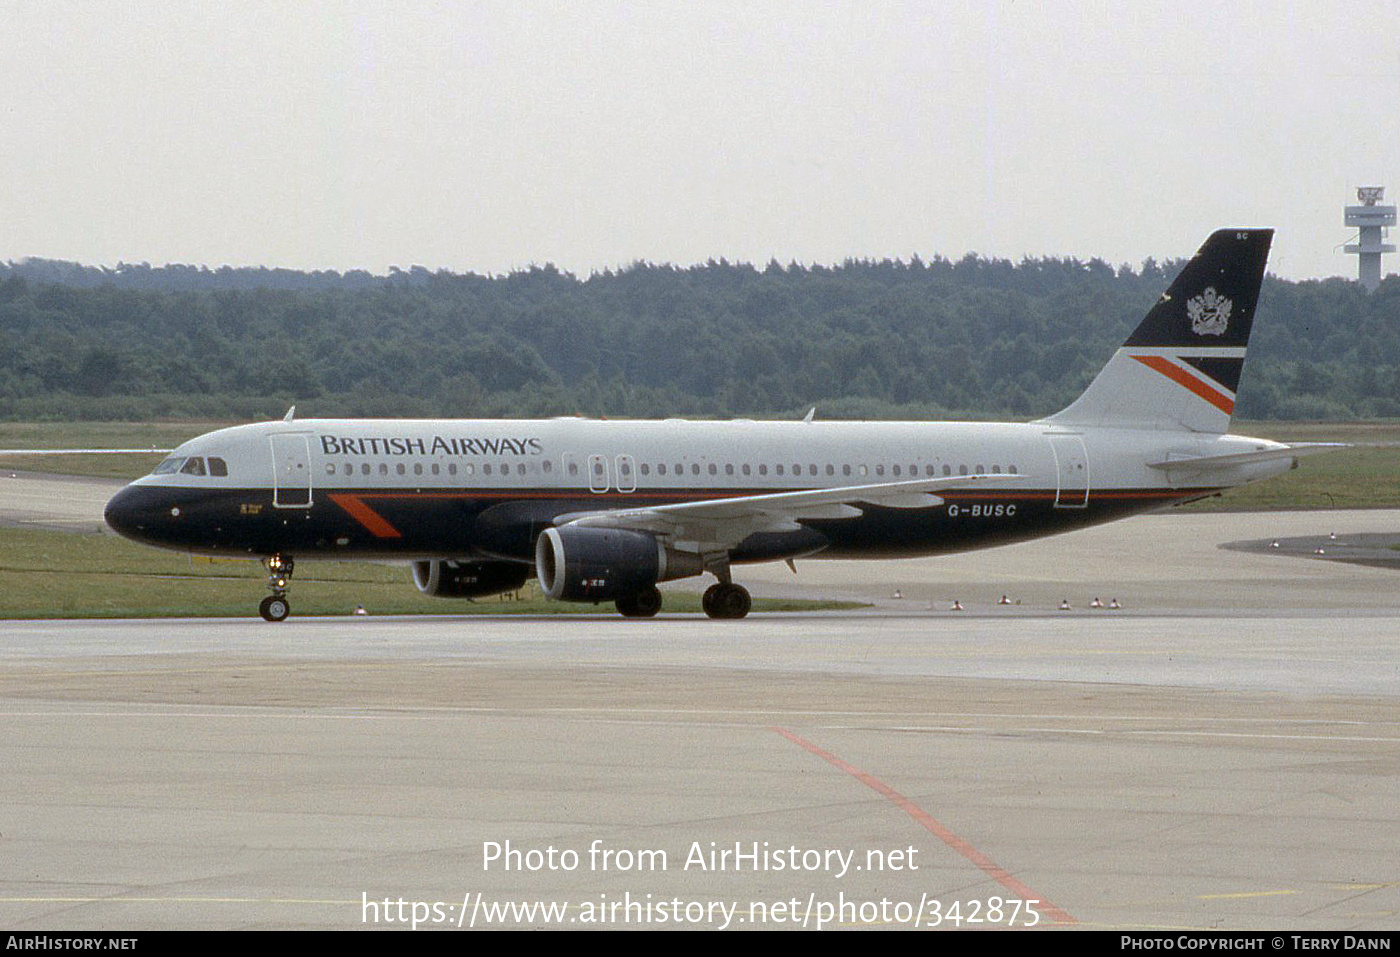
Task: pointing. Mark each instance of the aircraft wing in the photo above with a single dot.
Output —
(723, 523)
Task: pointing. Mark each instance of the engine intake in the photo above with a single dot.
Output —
(604, 564)
(453, 579)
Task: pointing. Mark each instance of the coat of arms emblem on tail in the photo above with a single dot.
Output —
(1209, 313)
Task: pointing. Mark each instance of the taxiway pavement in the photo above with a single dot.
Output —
(1219, 754)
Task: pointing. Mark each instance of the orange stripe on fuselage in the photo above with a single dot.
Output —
(1181, 377)
(366, 516)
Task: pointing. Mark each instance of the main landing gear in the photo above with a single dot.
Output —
(275, 607)
(721, 600)
(726, 600)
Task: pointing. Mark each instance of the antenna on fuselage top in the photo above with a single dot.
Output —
(811, 414)
(290, 412)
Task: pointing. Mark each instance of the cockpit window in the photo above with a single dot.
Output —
(194, 465)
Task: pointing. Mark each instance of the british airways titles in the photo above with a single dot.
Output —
(438, 445)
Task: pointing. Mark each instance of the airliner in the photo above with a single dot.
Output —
(603, 511)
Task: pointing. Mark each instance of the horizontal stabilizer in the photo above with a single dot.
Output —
(1211, 463)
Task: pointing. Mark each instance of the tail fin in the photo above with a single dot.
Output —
(1181, 366)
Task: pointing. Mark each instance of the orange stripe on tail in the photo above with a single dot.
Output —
(1181, 377)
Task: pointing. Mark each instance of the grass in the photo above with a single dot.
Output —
(61, 575)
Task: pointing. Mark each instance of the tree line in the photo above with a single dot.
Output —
(975, 337)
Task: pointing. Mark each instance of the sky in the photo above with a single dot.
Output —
(592, 134)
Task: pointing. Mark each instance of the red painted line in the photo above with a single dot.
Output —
(1181, 377)
(378, 526)
(927, 821)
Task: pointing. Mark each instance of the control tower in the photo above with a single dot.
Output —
(1372, 219)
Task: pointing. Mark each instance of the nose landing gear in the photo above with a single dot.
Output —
(275, 607)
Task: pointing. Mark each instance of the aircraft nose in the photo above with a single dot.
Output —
(136, 513)
(121, 513)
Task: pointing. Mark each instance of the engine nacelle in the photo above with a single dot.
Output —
(604, 564)
(452, 579)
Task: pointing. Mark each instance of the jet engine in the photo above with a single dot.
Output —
(604, 564)
(453, 579)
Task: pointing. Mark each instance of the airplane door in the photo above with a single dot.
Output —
(291, 470)
(1072, 470)
(626, 474)
(598, 473)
